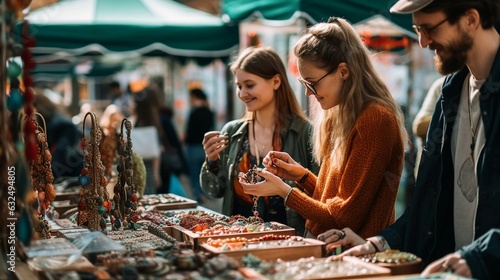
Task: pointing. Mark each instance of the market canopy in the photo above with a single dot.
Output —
(282, 12)
(136, 27)
(382, 34)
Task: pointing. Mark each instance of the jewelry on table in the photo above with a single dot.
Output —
(126, 197)
(42, 178)
(94, 205)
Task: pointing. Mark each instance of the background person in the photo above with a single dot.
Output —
(201, 120)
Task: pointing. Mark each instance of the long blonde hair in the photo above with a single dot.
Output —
(326, 45)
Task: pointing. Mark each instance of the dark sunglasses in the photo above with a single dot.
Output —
(310, 86)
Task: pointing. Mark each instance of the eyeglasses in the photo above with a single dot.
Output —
(310, 86)
(426, 31)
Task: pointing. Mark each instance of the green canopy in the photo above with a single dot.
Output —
(276, 12)
(143, 27)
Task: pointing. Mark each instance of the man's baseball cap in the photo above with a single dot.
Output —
(409, 6)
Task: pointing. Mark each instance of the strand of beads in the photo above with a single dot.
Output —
(42, 178)
(252, 177)
(132, 199)
(233, 242)
(94, 206)
(118, 211)
(125, 192)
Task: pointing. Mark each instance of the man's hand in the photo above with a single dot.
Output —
(453, 263)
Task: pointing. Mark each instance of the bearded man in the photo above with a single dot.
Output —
(453, 222)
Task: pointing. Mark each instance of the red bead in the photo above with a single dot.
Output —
(84, 171)
(31, 151)
(135, 218)
(81, 205)
(28, 109)
(28, 80)
(104, 181)
(83, 143)
(29, 127)
(30, 42)
(107, 205)
(29, 95)
(133, 197)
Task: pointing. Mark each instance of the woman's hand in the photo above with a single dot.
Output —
(282, 165)
(213, 143)
(453, 263)
(347, 239)
(272, 185)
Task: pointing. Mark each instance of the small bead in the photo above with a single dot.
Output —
(81, 205)
(101, 209)
(84, 180)
(83, 143)
(133, 197)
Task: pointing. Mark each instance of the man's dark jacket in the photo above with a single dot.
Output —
(426, 228)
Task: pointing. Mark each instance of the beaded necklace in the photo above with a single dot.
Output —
(94, 204)
(42, 178)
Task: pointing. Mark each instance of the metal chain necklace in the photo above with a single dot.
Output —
(474, 129)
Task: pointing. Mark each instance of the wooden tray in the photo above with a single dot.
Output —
(375, 271)
(313, 248)
(177, 232)
(404, 268)
(196, 239)
(183, 203)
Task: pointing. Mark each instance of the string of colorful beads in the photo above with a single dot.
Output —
(94, 205)
(125, 193)
(42, 178)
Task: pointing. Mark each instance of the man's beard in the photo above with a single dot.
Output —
(456, 54)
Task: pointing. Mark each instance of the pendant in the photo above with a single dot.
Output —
(466, 180)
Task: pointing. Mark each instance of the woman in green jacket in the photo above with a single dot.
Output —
(273, 121)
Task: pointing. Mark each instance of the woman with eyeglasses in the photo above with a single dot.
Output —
(358, 138)
(273, 121)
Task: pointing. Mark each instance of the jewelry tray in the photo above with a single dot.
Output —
(196, 239)
(312, 248)
(179, 202)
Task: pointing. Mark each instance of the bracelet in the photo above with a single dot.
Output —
(287, 195)
(304, 178)
(212, 165)
(385, 245)
(373, 244)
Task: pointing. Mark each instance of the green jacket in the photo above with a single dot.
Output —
(295, 141)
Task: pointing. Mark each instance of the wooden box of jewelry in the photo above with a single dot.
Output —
(199, 234)
(167, 201)
(267, 247)
(398, 262)
(311, 268)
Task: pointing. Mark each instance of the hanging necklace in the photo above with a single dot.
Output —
(256, 143)
(252, 170)
(474, 129)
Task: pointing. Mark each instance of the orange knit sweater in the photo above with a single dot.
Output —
(360, 194)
